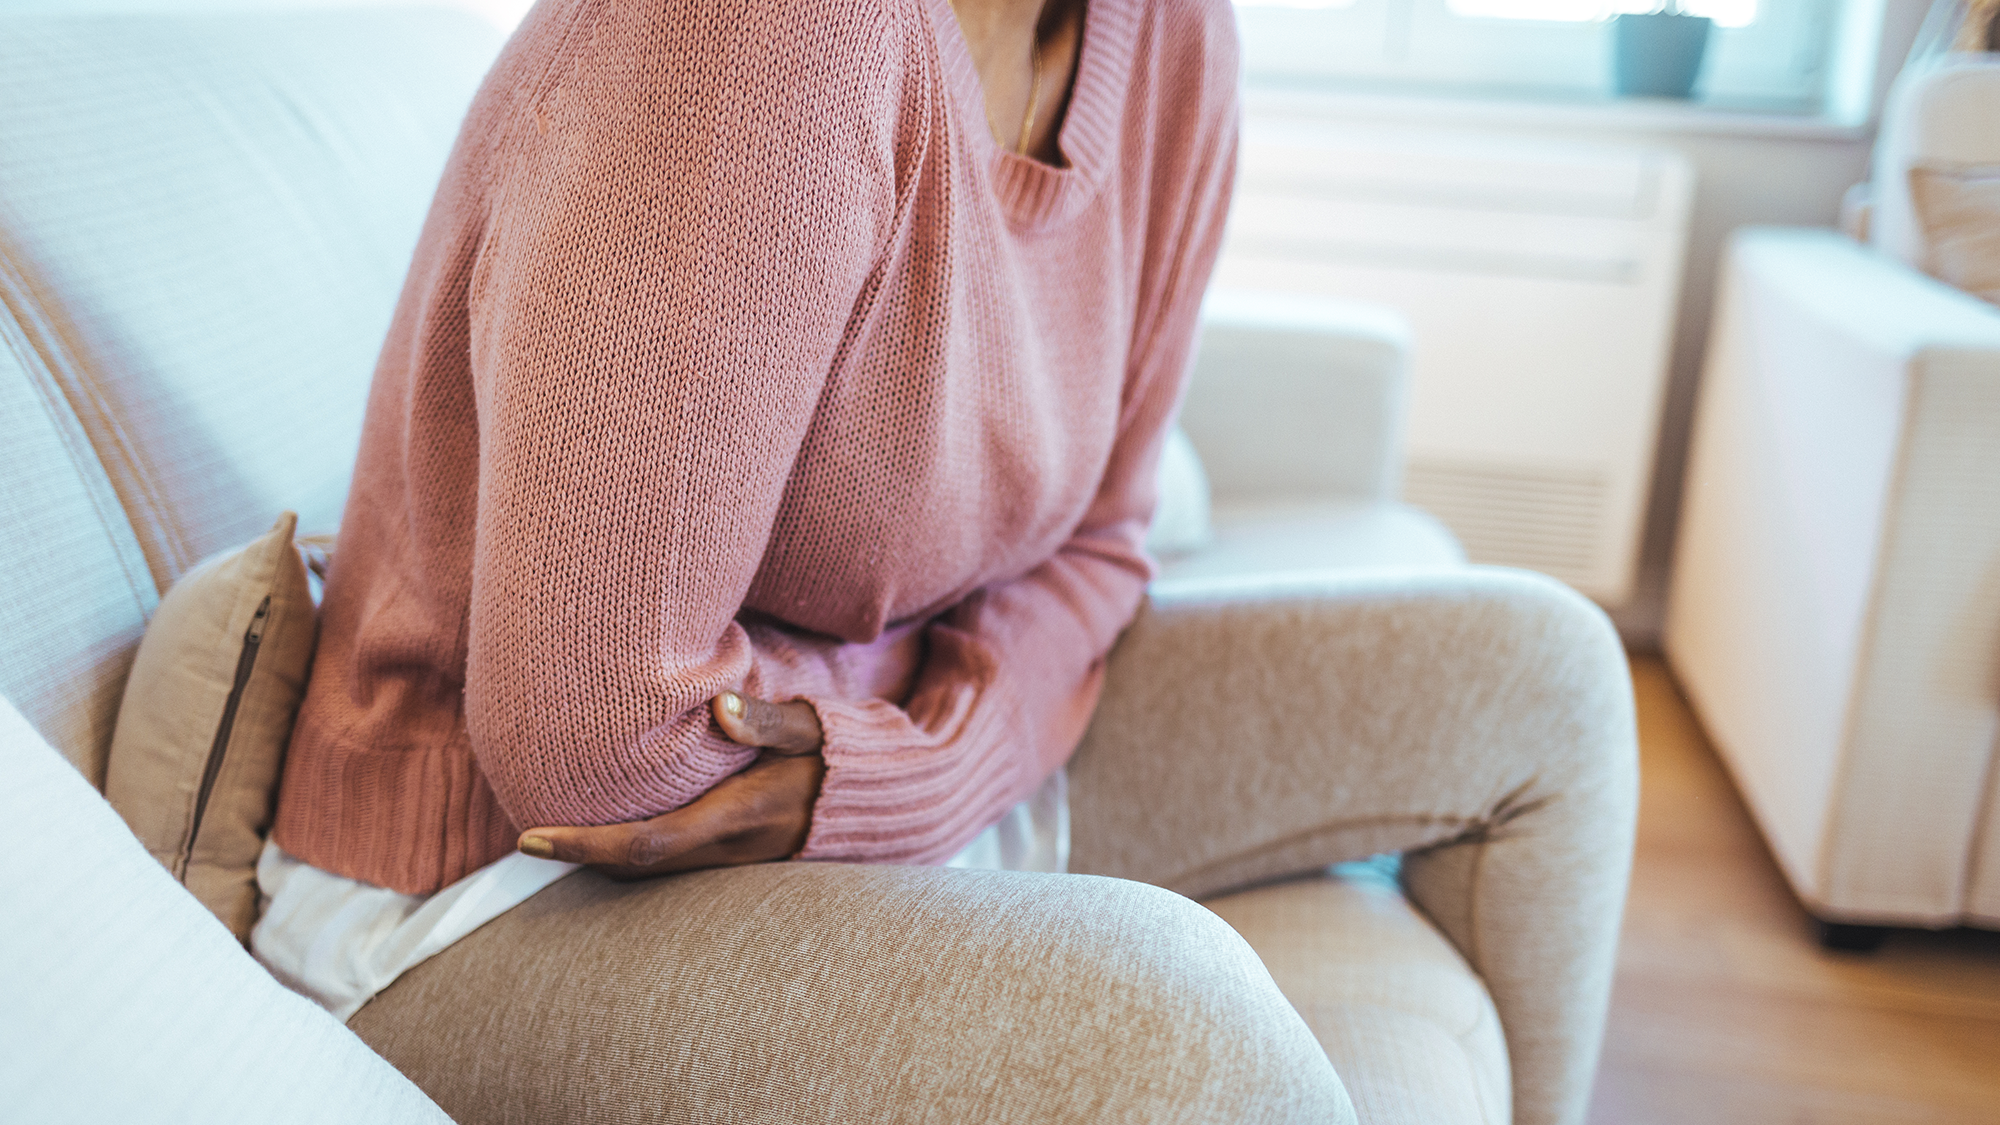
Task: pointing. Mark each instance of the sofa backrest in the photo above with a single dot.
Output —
(74, 589)
(204, 223)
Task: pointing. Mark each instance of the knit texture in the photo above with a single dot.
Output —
(736, 354)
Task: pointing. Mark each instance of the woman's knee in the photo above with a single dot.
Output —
(1179, 1020)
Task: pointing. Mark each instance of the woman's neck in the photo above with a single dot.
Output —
(1026, 53)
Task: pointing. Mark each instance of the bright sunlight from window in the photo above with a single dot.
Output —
(1765, 56)
(1726, 13)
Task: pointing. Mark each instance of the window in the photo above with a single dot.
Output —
(1762, 54)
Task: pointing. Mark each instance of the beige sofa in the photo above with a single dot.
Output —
(203, 224)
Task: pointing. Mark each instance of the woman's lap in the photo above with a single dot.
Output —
(810, 992)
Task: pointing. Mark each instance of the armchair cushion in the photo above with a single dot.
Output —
(1292, 535)
(1405, 1020)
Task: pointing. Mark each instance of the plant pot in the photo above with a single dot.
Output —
(1659, 55)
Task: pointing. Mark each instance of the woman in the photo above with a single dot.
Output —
(760, 457)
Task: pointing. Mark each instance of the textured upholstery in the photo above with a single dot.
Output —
(828, 993)
(76, 593)
(1834, 616)
(125, 1001)
(214, 216)
(1408, 1025)
(1307, 728)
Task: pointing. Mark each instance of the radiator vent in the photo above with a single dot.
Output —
(1539, 280)
(1546, 518)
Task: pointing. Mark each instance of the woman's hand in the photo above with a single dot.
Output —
(760, 814)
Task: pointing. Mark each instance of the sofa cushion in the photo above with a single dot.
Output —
(1405, 1020)
(76, 592)
(126, 1001)
(213, 216)
(207, 713)
(1296, 535)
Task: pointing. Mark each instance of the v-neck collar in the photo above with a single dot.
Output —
(1033, 194)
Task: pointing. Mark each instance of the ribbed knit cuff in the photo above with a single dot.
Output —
(894, 793)
(669, 775)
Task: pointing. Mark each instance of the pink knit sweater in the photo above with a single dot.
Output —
(736, 354)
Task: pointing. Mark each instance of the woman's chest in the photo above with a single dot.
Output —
(964, 429)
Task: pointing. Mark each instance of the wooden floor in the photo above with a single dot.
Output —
(1726, 1012)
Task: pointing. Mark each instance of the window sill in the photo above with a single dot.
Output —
(1641, 115)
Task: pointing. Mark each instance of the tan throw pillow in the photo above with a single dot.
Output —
(207, 712)
(1959, 211)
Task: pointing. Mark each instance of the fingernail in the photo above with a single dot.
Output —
(732, 703)
(538, 846)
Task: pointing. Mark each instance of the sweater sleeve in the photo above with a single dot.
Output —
(680, 234)
(1011, 675)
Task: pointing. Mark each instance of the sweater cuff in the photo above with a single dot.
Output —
(895, 793)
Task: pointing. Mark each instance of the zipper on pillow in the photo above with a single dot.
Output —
(253, 638)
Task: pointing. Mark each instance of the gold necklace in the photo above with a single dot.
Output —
(1034, 89)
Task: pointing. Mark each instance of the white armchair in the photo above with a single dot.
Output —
(1835, 609)
(1297, 407)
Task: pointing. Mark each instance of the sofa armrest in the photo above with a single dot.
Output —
(1840, 288)
(1297, 397)
(1479, 721)
(1831, 616)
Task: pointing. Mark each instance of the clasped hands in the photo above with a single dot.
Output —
(762, 813)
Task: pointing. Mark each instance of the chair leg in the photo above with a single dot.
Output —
(1842, 937)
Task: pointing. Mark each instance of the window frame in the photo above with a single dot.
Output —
(1777, 63)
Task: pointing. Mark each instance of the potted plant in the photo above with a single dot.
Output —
(1658, 54)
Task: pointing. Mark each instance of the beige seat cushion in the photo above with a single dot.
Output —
(1407, 1024)
(1299, 535)
(207, 714)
